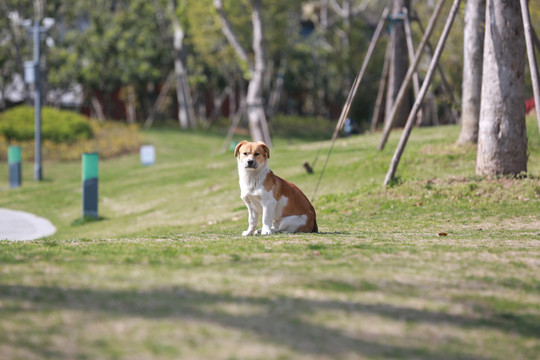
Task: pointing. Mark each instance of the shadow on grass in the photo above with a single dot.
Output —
(282, 320)
(86, 220)
(333, 233)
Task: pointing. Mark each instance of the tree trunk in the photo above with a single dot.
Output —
(186, 113)
(130, 102)
(473, 47)
(98, 109)
(502, 140)
(255, 109)
(258, 125)
(399, 63)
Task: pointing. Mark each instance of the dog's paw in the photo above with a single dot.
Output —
(266, 231)
(247, 233)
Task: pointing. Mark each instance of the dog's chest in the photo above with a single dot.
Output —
(252, 182)
(252, 187)
(255, 196)
(255, 191)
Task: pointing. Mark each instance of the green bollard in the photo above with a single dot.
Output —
(14, 161)
(90, 184)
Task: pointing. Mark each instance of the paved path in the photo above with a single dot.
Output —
(20, 225)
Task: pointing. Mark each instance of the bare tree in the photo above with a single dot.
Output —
(399, 61)
(186, 113)
(473, 47)
(258, 125)
(502, 140)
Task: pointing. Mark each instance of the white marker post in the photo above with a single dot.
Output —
(148, 155)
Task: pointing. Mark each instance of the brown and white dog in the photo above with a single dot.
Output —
(284, 208)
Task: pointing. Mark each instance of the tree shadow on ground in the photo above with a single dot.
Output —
(281, 320)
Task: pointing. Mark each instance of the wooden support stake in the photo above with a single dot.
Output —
(425, 85)
(531, 55)
(382, 87)
(444, 81)
(234, 124)
(356, 83)
(159, 101)
(352, 92)
(410, 49)
(389, 123)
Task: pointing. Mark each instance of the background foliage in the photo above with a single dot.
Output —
(125, 47)
(121, 51)
(65, 134)
(57, 125)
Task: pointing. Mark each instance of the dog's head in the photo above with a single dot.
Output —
(252, 155)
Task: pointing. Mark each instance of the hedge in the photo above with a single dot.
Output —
(59, 126)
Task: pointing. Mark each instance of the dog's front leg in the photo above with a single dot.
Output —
(253, 219)
(269, 209)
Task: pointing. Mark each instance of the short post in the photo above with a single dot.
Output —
(38, 171)
(14, 161)
(90, 185)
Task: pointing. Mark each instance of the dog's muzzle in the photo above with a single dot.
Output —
(250, 164)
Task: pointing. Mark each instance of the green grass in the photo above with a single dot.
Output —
(442, 265)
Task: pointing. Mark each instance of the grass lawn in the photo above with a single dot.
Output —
(443, 265)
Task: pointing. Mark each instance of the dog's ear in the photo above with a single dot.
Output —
(265, 148)
(237, 149)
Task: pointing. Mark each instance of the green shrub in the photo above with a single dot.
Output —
(110, 139)
(66, 135)
(58, 126)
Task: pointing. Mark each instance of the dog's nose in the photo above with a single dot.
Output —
(250, 162)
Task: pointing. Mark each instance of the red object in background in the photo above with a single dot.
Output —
(529, 105)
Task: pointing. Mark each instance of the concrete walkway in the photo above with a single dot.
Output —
(20, 225)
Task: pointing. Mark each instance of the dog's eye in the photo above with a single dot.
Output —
(245, 154)
(256, 154)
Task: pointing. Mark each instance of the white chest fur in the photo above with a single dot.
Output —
(251, 180)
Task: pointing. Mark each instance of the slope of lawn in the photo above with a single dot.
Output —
(442, 265)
